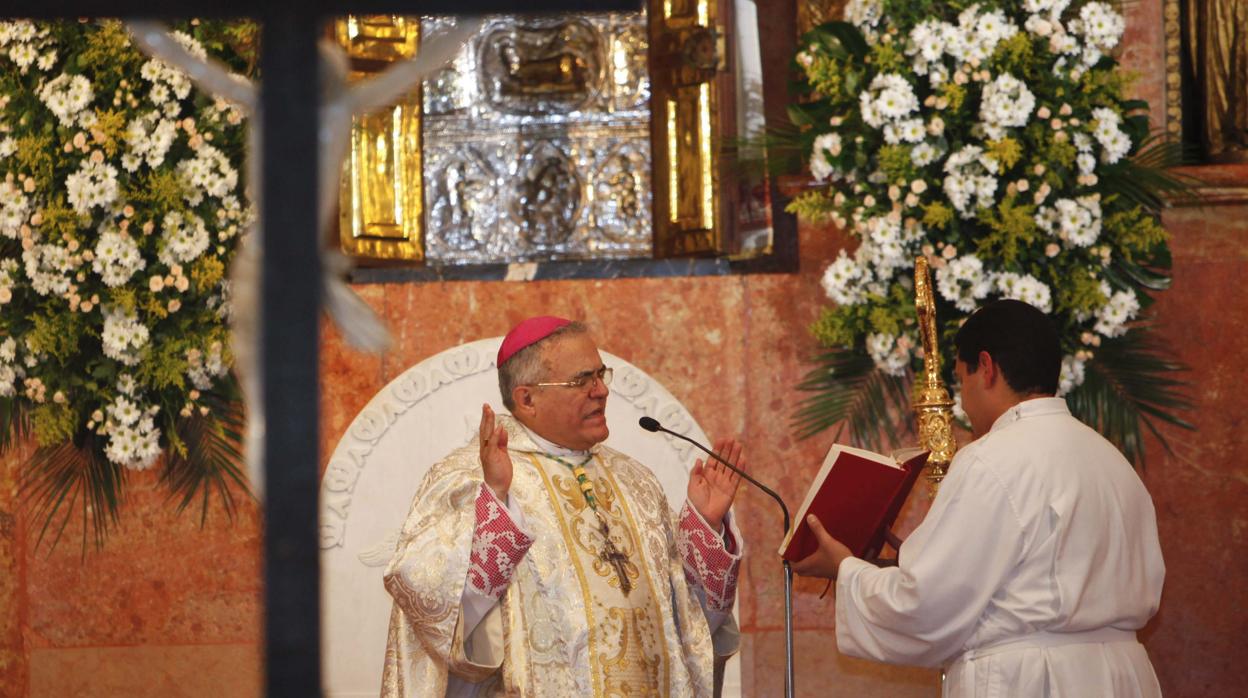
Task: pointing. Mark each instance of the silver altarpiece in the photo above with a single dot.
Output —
(560, 137)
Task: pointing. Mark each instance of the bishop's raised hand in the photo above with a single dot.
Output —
(495, 460)
(713, 485)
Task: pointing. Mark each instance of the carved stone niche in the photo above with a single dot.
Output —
(561, 137)
(426, 412)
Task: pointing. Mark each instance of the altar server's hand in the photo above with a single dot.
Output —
(712, 486)
(495, 461)
(825, 561)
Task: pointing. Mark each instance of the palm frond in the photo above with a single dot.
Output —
(849, 388)
(61, 478)
(209, 463)
(1129, 384)
(1146, 180)
(14, 423)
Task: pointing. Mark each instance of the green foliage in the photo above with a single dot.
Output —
(1006, 151)
(937, 215)
(165, 366)
(887, 58)
(1011, 230)
(53, 422)
(1077, 291)
(841, 326)
(895, 163)
(160, 192)
(1015, 56)
(814, 205)
(57, 334)
(1135, 233)
(827, 76)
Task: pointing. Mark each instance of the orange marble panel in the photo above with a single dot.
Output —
(190, 671)
(1200, 489)
(819, 671)
(14, 670)
(161, 579)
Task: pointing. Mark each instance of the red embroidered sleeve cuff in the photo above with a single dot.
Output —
(498, 546)
(708, 563)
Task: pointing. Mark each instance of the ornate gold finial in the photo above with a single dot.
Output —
(933, 408)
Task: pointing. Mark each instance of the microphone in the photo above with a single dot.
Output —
(652, 425)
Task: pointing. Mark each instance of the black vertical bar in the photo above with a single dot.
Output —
(290, 299)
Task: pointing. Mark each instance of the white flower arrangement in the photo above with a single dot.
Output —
(991, 139)
(119, 201)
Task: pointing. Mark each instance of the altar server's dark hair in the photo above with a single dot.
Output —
(1020, 338)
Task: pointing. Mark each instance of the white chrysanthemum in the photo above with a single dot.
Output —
(209, 172)
(889, 98)
(1026, 288)
(928, 39)
(183, 238)
(1052, 8)
(8, 278)
(1072, 374)
(117, 258)
(66, 96)
(8, 146)
(1100, 26)
(890, 353)
(49, 268)
(963, 282)
(149, 138)
(887, 245)
(1114, 143)
(924, 154)
(864, 14)
(827, 144)
(135, 446)
(1007, 103)
(845, 280)
(123, 336)
(1112, 318)
(123, 411)
(977, 35)
(1075, 221)
(1086, 163)
(14, 209)
(968, 183)
(93, 185)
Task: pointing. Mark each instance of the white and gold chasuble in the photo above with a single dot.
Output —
(564, 627)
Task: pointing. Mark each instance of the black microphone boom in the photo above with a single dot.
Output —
(651, 424)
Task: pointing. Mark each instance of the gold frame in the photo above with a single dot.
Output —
(686, 54)
(381, 199)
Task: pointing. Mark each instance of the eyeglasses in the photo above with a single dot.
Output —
(582, 380)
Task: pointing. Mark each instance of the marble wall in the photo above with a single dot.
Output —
(172, 609)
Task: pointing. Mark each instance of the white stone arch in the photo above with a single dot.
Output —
(422, 415)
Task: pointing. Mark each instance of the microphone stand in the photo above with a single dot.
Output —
(651, 424)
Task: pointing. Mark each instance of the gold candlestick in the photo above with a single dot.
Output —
(933, 408)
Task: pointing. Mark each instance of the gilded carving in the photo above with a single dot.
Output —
(932, 405)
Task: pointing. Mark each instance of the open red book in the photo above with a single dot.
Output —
(856, 496)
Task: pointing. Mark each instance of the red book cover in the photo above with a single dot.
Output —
(856, 496)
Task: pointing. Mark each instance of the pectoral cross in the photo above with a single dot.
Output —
(612, 556)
